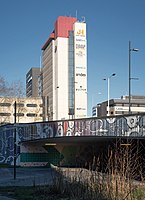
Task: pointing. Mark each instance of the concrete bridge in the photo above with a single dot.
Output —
(67, 142)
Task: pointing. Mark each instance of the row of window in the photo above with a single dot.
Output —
(71, 73)
(20, 105)
(125, 112)
(21, 114)
(127, 105)
(121, 112)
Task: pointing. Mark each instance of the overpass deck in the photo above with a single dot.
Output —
(76, 131)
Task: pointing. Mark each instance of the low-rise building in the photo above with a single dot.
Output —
(26, 109)
(120, 106)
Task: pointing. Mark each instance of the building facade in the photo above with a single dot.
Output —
(26, 109)
(64, 69)
(32, 82)
(120, 106)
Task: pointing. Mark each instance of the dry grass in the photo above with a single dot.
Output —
(115, 182)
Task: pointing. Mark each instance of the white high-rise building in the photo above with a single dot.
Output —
(64, 69)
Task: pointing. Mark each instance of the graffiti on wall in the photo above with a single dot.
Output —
(116, 126)
(133, 125)
(7, 145)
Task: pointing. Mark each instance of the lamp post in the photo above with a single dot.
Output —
(108, 80)
(129, 78)
(15, 147)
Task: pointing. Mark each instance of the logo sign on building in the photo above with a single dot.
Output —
(80, 49)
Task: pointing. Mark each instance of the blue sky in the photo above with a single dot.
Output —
(26, 24)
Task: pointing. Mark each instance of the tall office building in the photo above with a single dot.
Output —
(64, 69)
(32, 82)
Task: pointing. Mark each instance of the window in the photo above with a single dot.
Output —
(118, 112)
(20, 104)
(5, 104)
(19, 114)
(71, 73)
(142, 105)
(31, 115)
(5, 114)
(126, 105)
(117, 104)
(31, 105)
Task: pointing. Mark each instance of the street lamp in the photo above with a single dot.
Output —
(15, 147)
(129, 79)
(108, 80)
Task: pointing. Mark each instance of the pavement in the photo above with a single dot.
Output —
(33, 176)
(25, 177)
(6, 198)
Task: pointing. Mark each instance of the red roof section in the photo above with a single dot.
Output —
(62, 27)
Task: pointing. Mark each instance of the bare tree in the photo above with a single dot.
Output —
(14, 89)
(3, 86)
(8, 94)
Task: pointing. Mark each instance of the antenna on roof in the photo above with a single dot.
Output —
(76, 14)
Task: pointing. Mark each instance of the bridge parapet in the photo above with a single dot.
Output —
(119, 126)
(130, 125)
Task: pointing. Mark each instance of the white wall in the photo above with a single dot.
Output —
(61, 78)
